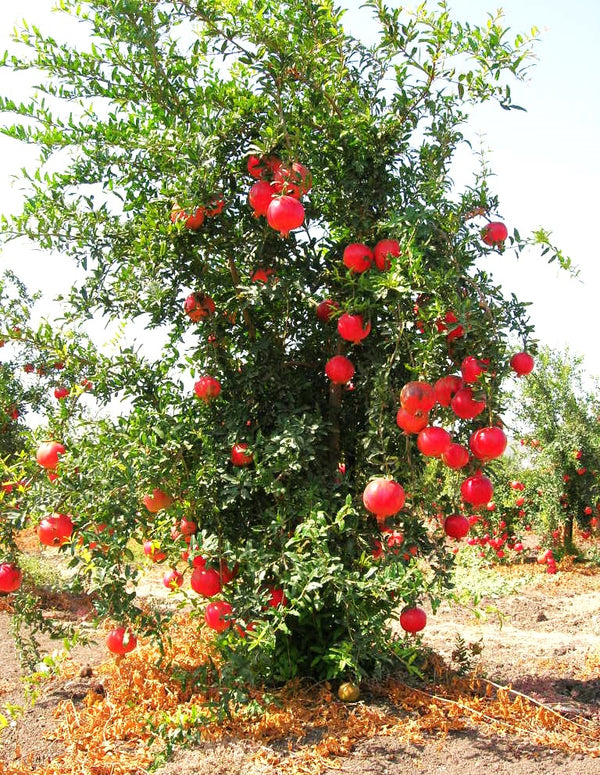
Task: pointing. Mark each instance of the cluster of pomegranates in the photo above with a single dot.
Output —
(204, 580)
(383, 497)
(277, 192)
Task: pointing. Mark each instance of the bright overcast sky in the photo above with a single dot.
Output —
(547, 163)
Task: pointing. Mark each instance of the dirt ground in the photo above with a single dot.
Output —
(544, 640)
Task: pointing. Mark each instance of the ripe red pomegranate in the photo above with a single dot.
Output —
(152, 550)
(207, 388)
(413, 619)
(187, 526)
(261, 166)
(239, 456)
(11, 577)
(276, 598)
(55, 530)
(488, 443)
(352, 328)
(326, 309)
(465, 406)
(196, 220)
(394, 540)
(284, 214)
(522, 364)
(446, 388)
(433, 441)
(456, 526)
(383, 497)
(294, 179)
(157, 501)
(417, 397)
(358, 257)
(494, 233)
(61, 392)
(339, 369)
(172, 579)
(454, 332)
(456, 456)
(477, 490)
(121, 641)
(382, 252)
(48, 452)
(262, 275)
(411, 423)
(198, 306)
(217, 615)
(472, 368)
(206, 581)
(260, 197)
(215, 206)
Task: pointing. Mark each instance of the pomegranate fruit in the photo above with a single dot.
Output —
(260, 197)
(465, 406)
(358, 257)
(413, 619)
(121, 641)
(433, 441)
(276, 598)
(198, 306)
(446, 388)
(261, 166)
(173, 579)
(326, 309)
(383, 497)
(239, 456)
(294, 179)
(339, 369)
(456, 456)
(217, 615)
(522, 364)
(157, 501)
(55, 529)
(417, 397)
(494, 233)
(48, 452)
(382, 252)
(477, 490)
(488, 443)
(411, 423)
(207, 388)
(456, 526)
(205, 581)
(352, 329)
(284, 214)
(11, 577)
(196, 220)
(152, 550)
(472, 368)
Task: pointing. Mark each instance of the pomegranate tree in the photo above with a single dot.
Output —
(316, 288)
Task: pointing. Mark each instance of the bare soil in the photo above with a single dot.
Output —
(543, 640)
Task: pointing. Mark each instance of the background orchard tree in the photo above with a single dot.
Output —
(187, 134)
(558, 415)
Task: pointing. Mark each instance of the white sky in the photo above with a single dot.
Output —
(547, 163)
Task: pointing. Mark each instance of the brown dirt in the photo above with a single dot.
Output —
(544, 641)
